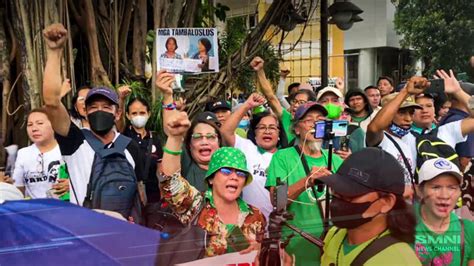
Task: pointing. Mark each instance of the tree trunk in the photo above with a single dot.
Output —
(98, 74)
(139, 38)
(124, 28)
(31, 82)
(4, 71)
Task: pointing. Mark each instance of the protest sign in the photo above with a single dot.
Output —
(187, 50)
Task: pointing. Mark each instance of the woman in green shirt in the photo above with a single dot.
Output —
(441, 237)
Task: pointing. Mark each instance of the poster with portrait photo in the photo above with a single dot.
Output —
(187, 50)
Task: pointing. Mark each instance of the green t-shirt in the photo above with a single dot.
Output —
(337, 251)
(192, 172)
(444, 249)
(286, 165)
(358, 119)
(286, 121)
(357, 140)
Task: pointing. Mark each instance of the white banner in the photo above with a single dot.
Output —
(187, 50)
(230, 259)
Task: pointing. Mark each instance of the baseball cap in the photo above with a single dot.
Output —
(305, 108)
(329, 89)
(228, 157)
(361, 173)
(408, 102)
(437, 166)
(102, 92)
(220, 105)
(208, 117)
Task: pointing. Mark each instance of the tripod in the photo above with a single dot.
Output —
(270, 254)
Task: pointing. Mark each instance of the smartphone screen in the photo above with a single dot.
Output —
(320, 128)
(339, 128)
(436, 88)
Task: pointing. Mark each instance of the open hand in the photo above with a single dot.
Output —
(451, 84)
(257, 63)
(55, 36)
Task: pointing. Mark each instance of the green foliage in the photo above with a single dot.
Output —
(441, 32)
(231, 41)
(206, 12)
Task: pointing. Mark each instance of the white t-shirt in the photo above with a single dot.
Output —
(36, 171)
(450, 133)
(79, 157)
(255, 193)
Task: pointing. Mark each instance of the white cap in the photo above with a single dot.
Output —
(329, 89)
(9, 192)
(435, 167)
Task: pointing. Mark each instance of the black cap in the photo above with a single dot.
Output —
(208, 117)
(365, 171)
(220, 105)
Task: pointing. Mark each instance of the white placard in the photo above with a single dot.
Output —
(187, 50)
(229, 259)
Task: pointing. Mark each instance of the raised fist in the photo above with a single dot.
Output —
(257, 63)
(416, 85)
(55, 36)
(255, 100)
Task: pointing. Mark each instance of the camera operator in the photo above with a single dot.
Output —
(373, 225)
(288, 165)
(333, 100)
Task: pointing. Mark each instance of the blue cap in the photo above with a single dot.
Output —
(305, 108)
(105, 92)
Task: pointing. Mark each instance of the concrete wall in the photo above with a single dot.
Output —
(377, 29)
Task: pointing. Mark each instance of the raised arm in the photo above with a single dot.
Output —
(228, 128)
(460, 99)
(123, 93)
(55, 38)
(281, 88)
(384, 117)
(266, 87)
(163, 83)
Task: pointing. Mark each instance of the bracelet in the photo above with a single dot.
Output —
(169, 107)
(172, 152)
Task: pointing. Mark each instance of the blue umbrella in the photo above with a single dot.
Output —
(53, 232)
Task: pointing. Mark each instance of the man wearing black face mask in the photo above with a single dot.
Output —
(373, 225)
(102, 110)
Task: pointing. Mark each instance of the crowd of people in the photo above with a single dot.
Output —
(388, 191)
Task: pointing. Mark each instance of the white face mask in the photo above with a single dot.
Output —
(139, 121)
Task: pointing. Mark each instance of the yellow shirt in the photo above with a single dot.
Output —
(396, 254)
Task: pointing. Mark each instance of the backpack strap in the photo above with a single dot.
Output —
(120, 144)
(462, 240)
(373, 249)
(405, 160)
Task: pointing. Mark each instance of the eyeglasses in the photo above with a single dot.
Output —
(299, 102)
(228, 171)
(208, 136)
(309, 122)
(270, 129)
(40, 165)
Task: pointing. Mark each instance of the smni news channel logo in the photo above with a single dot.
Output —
(442, 243)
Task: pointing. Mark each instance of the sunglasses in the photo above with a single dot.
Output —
(228, 171)
(208, 136)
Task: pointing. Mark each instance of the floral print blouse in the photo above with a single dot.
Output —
(185, 201)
